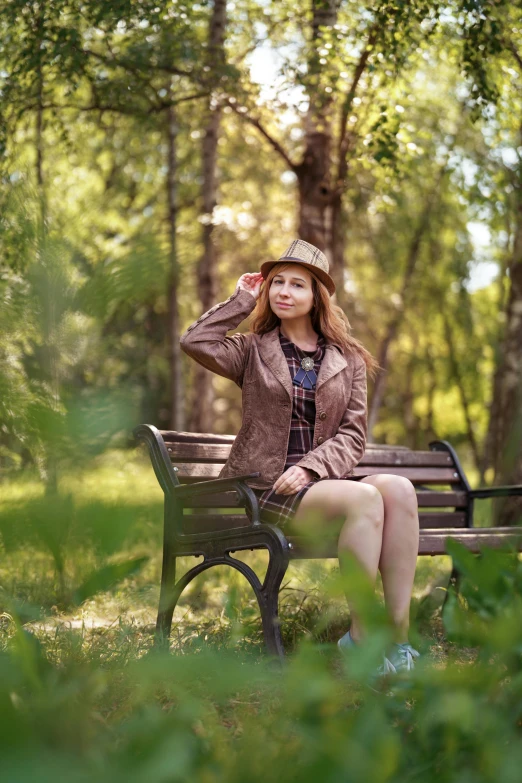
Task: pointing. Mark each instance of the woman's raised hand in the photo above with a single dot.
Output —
(251, 282)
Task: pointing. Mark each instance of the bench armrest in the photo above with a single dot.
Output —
(213, 485)
(496, 492)
(159, 456)
(237, 483)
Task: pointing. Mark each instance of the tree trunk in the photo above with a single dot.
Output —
(396, 320)
(202, 414)
(491, 436)
(314, 171)
(429, 427)
(39, 138)
(177, 416)
(457, 377)
(49, 324)
(346, 143)
(412, 423)
(507, 451)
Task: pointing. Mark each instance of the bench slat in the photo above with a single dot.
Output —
(194, 471)
(408, 458)
(429, 498)
(207, 523)
(196, 437)
(198, 452)
(172, 436)
(433, 519)
(203, 523)
(186, 451)
(199, 470)
(416, 475)
(433, 542)
(425, 499)
(221, 500)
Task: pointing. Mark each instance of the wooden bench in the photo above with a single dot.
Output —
(205, 516)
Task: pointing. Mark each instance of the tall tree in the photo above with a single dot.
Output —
(492, 57)
(403, 300)
(177, 421)
(349, 53)
(202, 414)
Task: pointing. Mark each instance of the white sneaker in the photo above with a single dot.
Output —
(401, 658)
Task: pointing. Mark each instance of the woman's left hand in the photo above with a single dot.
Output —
(292, 480)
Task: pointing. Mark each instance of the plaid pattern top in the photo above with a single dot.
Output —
(303, 408)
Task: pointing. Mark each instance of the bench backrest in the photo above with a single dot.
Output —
(441, 491)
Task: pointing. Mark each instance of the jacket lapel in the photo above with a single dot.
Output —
(272, 354)
(333, 362)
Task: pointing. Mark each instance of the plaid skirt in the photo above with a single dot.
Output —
(280, 509)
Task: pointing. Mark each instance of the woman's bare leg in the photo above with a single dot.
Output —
(358, 510)
(400, 546)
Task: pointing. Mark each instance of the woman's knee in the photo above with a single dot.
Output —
(396, 489)
(369, 506)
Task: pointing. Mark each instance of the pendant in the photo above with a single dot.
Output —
(307, 363)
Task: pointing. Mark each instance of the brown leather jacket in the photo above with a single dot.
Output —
(258, 365)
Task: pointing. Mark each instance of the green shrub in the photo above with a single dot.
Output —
(229, 716)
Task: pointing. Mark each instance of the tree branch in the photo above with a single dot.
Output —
(257, 124)
(348, 103)
(127, 110)
(512, 48)
(266, 36)
(128, 65)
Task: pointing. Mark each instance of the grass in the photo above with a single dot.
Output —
(83, 697)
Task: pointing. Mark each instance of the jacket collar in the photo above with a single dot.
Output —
(272, 354)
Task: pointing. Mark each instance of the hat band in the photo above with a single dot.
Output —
(301, 261)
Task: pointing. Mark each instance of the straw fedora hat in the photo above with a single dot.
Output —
(301, 252)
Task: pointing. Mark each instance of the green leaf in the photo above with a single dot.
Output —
(463, 560)
(106, 577)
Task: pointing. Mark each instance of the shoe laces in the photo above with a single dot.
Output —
(404, 657)
(386, 668)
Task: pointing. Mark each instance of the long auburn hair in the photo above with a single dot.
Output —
(327, 319)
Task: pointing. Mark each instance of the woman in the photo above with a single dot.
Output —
(303, 379)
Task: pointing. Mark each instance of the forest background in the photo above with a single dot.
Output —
(150, 153)
(153, 152)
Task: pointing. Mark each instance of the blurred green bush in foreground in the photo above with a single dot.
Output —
(225, 716)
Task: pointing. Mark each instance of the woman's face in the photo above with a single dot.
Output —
(291, 293)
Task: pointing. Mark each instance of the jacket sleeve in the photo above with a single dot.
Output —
(207, 343)
(337, 456)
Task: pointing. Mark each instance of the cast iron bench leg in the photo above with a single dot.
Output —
(269, 604)
(453, 582)
(168, 600)
(267, 594)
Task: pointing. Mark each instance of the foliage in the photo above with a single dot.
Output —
(219, 713)
(80, 704)
(98, 80)
(48, 411)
